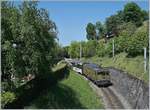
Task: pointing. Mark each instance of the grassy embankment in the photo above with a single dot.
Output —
(134, 66)
(72, 92)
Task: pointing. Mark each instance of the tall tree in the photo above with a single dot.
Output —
(28, 39)
(133, 13)
(100, 29)
(145, 15)
(38, 35)
(74, 49)
(112, 24)
(91, 31)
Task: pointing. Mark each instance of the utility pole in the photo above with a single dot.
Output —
(113, 48)
(145, 64)
(80, 50)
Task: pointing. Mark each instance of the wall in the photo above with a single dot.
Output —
(135, 91)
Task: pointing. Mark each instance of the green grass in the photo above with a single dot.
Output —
(73, 92)
(134, 66)
(58, 66)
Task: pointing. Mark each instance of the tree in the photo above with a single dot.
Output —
(145, 15)
(100, 29)
(133, 13)
(89, 48)
(10, 31)
(112, 24)
(91, 31)
(28, 39)
(38, 34)
(74, 49)
(127, 29)
(65, 51)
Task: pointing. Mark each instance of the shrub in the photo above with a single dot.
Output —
(104, 49)
(100, 50)
(7, 97)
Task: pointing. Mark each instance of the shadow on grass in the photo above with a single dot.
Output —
(57, 97)
(46, 92)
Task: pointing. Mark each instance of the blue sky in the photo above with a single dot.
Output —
(71, 18)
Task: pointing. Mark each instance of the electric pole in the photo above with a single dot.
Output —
(80, 51)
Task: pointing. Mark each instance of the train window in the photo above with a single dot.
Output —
(103, 73)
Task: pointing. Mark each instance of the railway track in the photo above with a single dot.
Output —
(109, 97)
(112, 100)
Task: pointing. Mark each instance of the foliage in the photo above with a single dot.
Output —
(133, 13)
(33, 88)
(145, 15)
(133, 66)
(131, 40)
(95, 31)
(112, 23)
(71, 93)
(74, 49)
(28, 39)
(90, 48)
(133, 44)
(65, 51)
(138, 41)
(7, 97)
(127, 29)
(100, 50)
(91, 32)
(100, 28)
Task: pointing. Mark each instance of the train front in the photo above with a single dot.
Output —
(103, 78)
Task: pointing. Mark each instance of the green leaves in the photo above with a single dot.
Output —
(95, 31)
(133, 13)
(7, 97)
(28, 39)
(91, 32)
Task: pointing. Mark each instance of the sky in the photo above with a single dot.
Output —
(71, 18)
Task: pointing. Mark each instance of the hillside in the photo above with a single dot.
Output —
(134, 66)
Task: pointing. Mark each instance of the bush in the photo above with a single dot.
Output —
(104, 49)
(7, 97)
(134, 44)
(100, 50)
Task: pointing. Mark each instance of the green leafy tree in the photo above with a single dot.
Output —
(74, 49)
(10, 31)
(100, 29)
(100, 50)
(28, 39)
(90, 48)
(127, 29)
(133, 13)
(145, 15)
(112, 24)
(91, 31)
(65, 51)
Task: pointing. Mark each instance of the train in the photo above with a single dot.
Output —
(98, 75)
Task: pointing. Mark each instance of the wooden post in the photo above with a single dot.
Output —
(80, 50)
(113, 48)
(145, 64)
